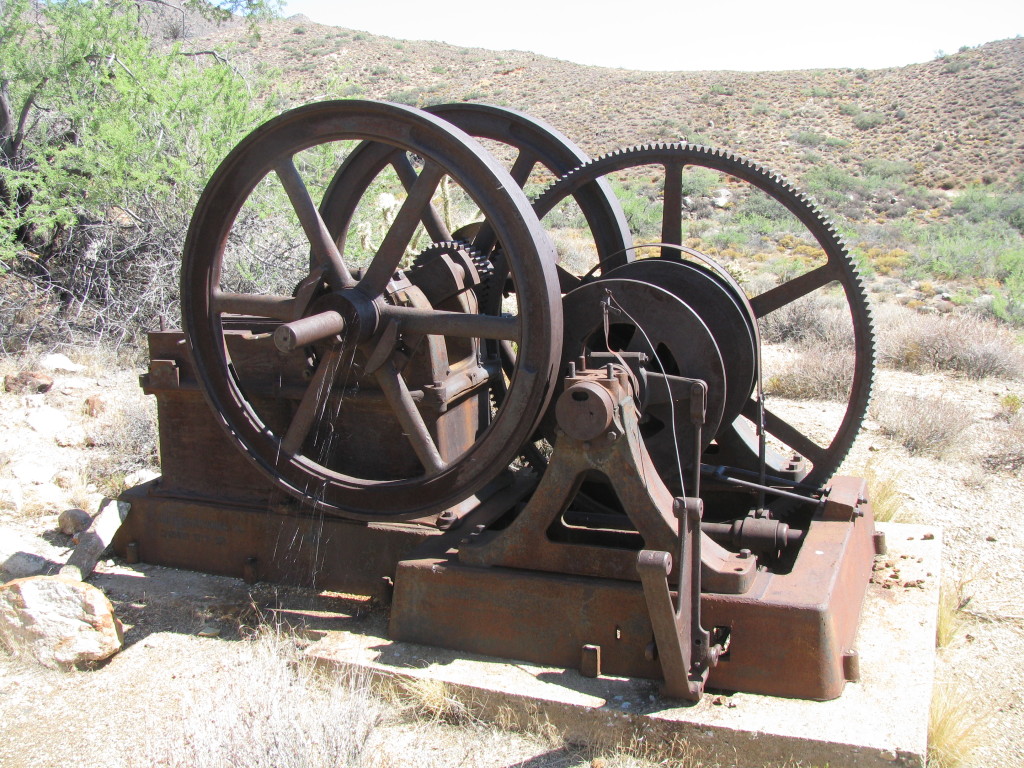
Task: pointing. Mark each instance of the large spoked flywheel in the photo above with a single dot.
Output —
(738, 442)
(369, 394)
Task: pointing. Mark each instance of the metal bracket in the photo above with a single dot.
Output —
(683, 646)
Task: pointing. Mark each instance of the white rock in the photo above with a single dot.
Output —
(33, 471)
(139, 476)
(47, 420)
(72, 437)
(58, 621)
(59, 362)
(11, 497)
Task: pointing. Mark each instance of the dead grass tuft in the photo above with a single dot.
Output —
(266, 707)
(433, 700)
(953, 599)
(924, 426)
(641, 750)
(955, 726)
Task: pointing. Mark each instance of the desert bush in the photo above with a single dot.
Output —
(819, 372)
(810, 319)
(931, 426)
(963, 344)
(867, 120)
(979, 204)
(1009, 456)
(116, 139)
(807, 138)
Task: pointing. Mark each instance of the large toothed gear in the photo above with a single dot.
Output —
(737, 444)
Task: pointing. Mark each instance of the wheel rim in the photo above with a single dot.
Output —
(536, 144)
(207, 309)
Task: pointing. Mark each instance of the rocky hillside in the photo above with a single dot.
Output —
(954, 121)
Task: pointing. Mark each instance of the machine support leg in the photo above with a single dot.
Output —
(683, 646)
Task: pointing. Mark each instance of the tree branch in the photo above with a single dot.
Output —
(226, 62)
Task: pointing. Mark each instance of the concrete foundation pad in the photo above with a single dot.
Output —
(880, 721)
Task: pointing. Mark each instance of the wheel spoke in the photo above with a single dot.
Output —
(397, 393)
(456, 324)
(787, 433)
(523, 167)
(325, 251)
(432, 221)
(274, 307)
(392, 249)
(672, 210)
(313, 401)
(798, 287)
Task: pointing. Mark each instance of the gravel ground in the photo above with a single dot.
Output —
(94, 718)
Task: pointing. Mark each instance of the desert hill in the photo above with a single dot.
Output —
(949, 122)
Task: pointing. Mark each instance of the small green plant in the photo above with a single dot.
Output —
(718, 89)
(1010, 405)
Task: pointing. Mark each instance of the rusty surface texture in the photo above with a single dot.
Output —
(526, 455)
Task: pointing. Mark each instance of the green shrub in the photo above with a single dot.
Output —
(867, 120)
(719, 89)
(807, 138)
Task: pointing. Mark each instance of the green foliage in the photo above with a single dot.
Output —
(867, 120)
(978, 204)
(807, 138)
(956, 64)
(104, 146)
(718, 89)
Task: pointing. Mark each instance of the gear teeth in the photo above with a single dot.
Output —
(802, 206)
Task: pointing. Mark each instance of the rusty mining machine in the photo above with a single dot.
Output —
(524, 457)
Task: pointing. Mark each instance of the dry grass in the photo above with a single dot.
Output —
(883, 492)
(432, 700)
(953, 599)
(123, 439)
(265, 707)
(962, 344)
(955, 726)
(925, 426)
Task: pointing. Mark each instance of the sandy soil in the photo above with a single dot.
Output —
(91, 718)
